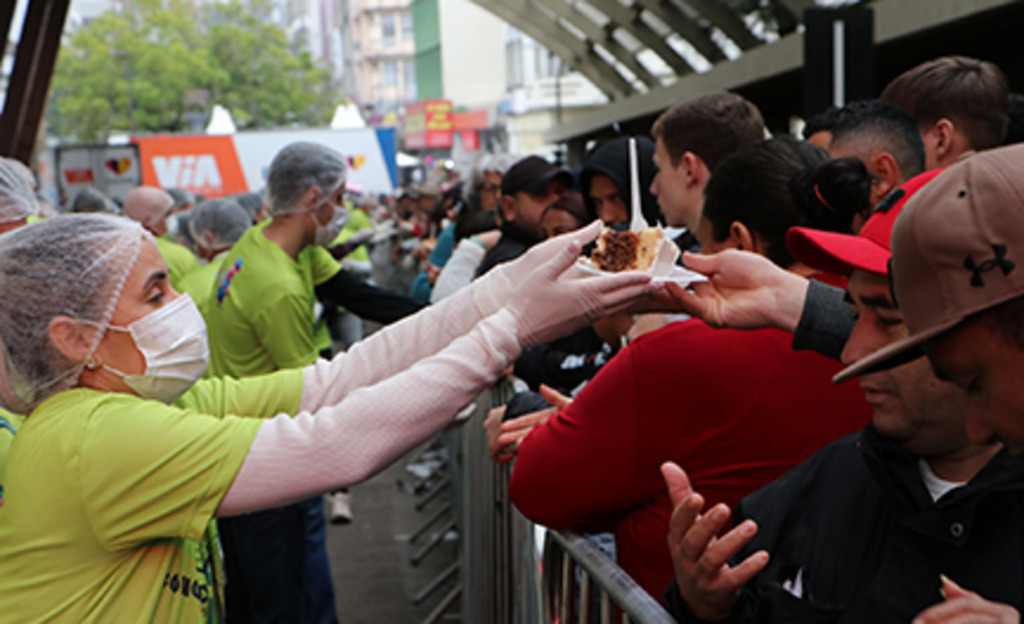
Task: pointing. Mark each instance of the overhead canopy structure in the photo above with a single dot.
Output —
(646, 55)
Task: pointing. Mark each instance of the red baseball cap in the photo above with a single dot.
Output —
(840, 254)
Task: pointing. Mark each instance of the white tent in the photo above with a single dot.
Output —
(220, 121)
(347, 117)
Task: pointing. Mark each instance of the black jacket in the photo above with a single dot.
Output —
(565, 363)
(858, 524)
(513, 243)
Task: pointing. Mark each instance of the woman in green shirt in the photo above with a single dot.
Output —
(125, 457)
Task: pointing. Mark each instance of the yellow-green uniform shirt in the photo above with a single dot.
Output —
(180, 261)
(9, 424)
(109, 496)
(199, 284)
(261, 316)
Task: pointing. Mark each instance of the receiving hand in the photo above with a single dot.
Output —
(549, 303)
(966, 607)
(745, 291)
(503, 438)
(708, 585)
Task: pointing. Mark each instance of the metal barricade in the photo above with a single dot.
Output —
(506, 578)
(583, 585)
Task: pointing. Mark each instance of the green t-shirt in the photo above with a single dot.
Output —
(9, 424)
(199, 284)
(109, 497)
(357, 221)
(180, 261)
(261, 317)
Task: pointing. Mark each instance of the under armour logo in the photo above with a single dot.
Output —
(999, 261)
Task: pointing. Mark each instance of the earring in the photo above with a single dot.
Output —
(91, 363)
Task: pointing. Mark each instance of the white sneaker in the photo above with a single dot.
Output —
(341, 510)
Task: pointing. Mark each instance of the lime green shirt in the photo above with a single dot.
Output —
(357, 221)
(180, 261)
(109, 497)
(199, 283)
(261, 317)
(9, 424)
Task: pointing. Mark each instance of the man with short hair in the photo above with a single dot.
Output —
(864, 529)
(527, 189)
(691, 140)
(261, 319)
(884, 138)
(959, 105)
(150, 206)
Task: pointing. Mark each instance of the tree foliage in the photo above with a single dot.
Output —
(133, 70)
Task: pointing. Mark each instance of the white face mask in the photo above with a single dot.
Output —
(173, 341)
(325, 234)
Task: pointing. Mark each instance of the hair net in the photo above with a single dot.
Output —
(148, 205)
(252, 202)
(17, 197)
(299, 167)
(75, 266)
(181, 197)
(218, 223)
(90, 199)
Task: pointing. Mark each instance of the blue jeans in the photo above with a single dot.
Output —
(276, 571)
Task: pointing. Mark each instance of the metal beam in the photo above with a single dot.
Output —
(6, 17)
(894, 19)
(35, 59)
(601, 35)
(630, 20)
(582, 59)
(684, 27)
(722, 16)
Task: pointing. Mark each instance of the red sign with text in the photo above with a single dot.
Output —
(428, 125)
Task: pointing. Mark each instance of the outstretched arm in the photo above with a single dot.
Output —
(294, 458)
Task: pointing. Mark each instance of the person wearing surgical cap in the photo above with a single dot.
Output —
(150, 207)
(128, 454)
(215, 226)
(90, 199)
(17, 197)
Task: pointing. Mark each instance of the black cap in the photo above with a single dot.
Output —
(532, 175)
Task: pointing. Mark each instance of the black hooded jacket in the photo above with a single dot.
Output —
(858, 526)
(612, 160)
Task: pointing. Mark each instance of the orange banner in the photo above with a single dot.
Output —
(207, 165)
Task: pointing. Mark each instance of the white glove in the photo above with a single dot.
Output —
(549, 304)
(494, 290)
(542, 253)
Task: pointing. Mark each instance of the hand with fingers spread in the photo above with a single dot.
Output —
(709, 586)
(966, 607)
(550, 303)
(542, 253)
(745, 291)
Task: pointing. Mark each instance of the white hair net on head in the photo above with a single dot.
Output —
(74, 266)
(17, 197)
(299, 167)
(218, 223)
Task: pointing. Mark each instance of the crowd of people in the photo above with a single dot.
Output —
(184, 379)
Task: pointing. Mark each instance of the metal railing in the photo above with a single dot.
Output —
(505, 575)
(583, 585)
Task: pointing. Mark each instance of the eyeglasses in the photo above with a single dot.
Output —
(490, 188)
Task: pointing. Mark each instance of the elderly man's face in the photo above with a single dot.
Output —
(976, 357)
(490, 190)
(925, 415)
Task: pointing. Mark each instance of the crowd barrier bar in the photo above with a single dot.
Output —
(578, 576)
(504, 577)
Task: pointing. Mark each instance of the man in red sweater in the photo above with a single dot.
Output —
(737, 408)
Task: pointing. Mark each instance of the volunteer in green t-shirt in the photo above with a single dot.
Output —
(216, 226)
(150, 206)
(124, 459)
